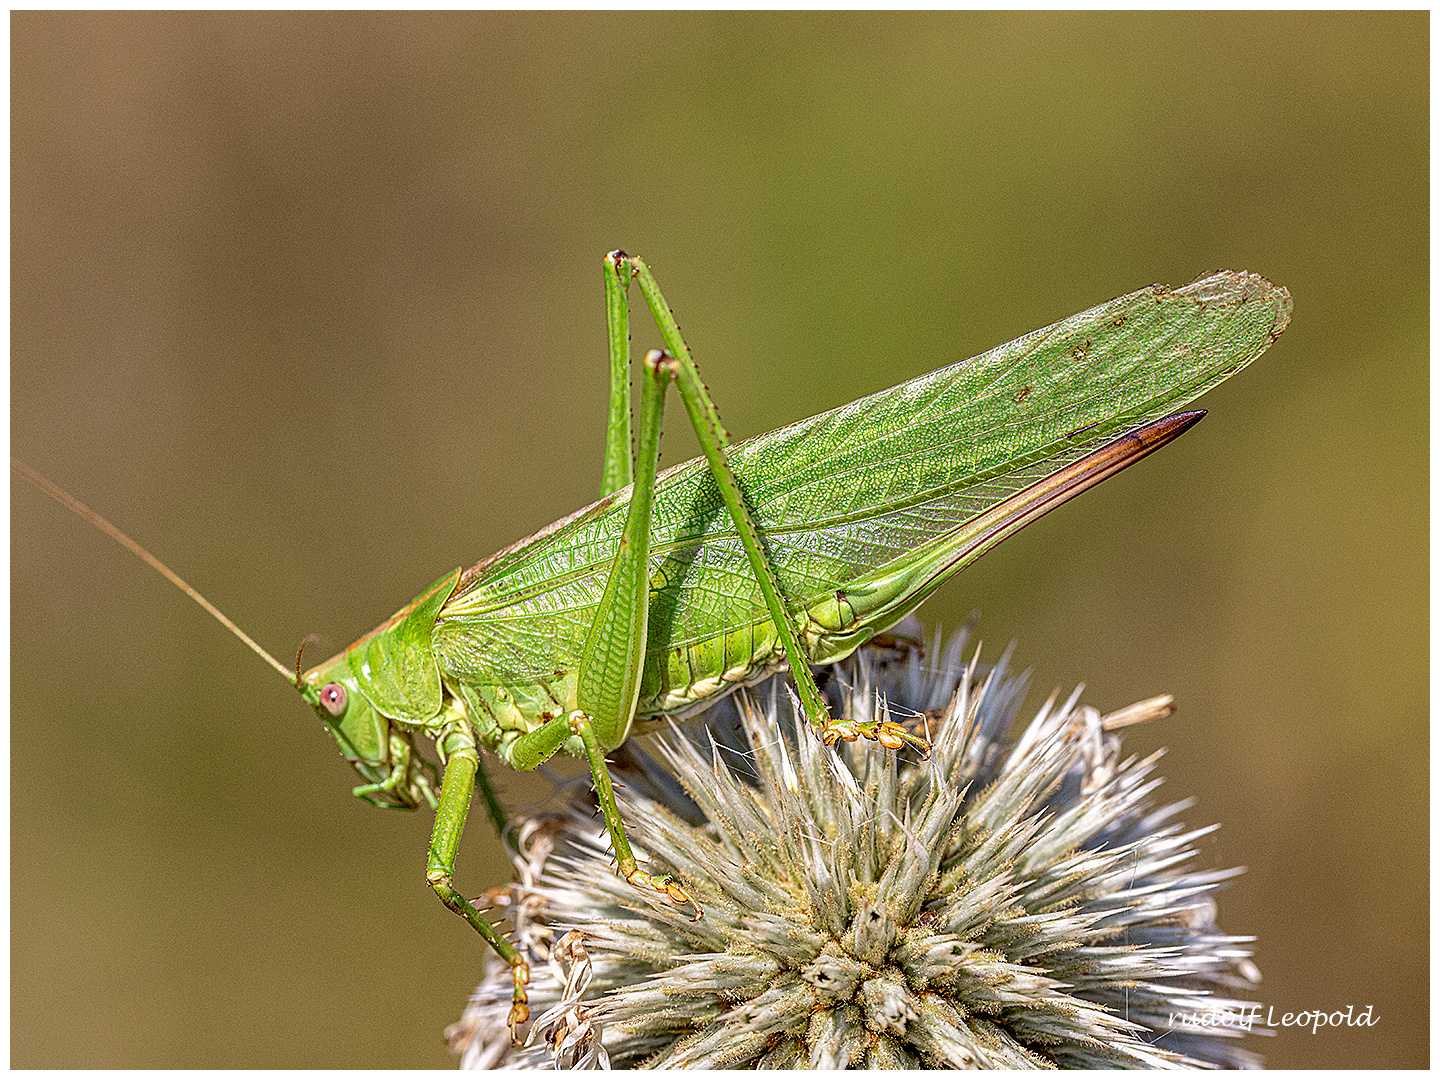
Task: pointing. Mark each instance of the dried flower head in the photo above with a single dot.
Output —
(1016, 900)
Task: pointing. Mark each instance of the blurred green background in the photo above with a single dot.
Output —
(311, 305)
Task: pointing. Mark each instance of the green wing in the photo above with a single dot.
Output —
(854, 491)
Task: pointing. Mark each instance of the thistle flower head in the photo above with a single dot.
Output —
(1015, 900)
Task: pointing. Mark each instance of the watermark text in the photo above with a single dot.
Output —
(1248, 1017)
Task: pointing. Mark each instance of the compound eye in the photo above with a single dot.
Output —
(333, 698)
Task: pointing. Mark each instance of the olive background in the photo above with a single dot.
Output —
(311, 305)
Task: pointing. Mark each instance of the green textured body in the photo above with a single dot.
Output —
(863, 512)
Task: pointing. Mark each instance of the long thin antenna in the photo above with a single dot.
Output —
(63, 497)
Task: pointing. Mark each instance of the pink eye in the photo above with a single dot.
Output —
(333, 698)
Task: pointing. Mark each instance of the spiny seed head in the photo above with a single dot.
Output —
(1016, 900)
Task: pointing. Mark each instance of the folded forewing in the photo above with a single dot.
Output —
(855, 489)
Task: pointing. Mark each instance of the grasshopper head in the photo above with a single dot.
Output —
(395, 774)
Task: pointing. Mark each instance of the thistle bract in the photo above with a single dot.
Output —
(1017, 900)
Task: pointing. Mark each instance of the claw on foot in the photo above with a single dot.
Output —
(519, 1013)
(887, 733)
(668, 885)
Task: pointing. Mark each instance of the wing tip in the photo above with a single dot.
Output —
(1236, 287)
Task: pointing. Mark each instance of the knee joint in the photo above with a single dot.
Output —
(660, 362)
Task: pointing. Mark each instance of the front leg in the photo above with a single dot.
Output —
(462, 760)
